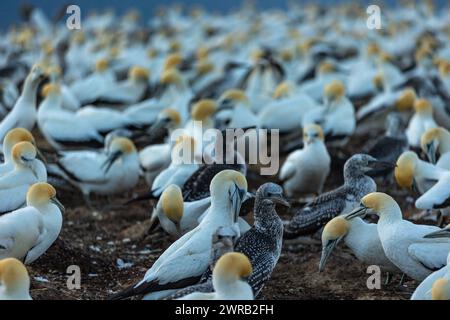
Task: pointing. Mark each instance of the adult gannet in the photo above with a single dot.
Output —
(338, 201)
(361, 237)
(421, 121)
(437, 140)
(183, 263)
(234, 110)
(27, 171)
(176, 216)
(14, 279)
(13, 137)
(228, 280)
(336, 117)
(112, 172)
(28, 232)
(403, 242)
(23, 114)
(305, 170)
(424, 290)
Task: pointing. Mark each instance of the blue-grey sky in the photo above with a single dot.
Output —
(9, 9)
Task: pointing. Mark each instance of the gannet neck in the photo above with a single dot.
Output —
(390, 213)
(228, 288)
(427, 170)
(29, 90)
(265, 216)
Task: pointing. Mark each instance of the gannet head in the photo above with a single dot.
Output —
(377, 202)
(406, 100)
(287, 55)
(372, 49)
(364, 164)
(42, 194)
(203, 109)
(202, 53)
(326, 67)
(406, 169)
(172, 203)
(23, 153)
(441, 289)
(101, 65)
(50, 88)
(284, 89)
(138, 74)
(233, 266)
(444, 68)
(312, 133)
(204, 67)
(232, 186)
(378, 81)
(170, 117)
(173, 61)
(171, 76)
(271, 194)
(37, 73)
(14, 276)
(333, 232)
(119, 147)
(423, 106)
(183, 150)
(232, 97)
(430, 142)
(17, 135)
(334, 91)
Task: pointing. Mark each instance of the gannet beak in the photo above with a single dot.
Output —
(357, 212)
(326, 252)
(431, 152)
(155, 127)
(377, 164)
(278, 198)
(110, 161)
(236, 201)
(56, 202)
(444, 233)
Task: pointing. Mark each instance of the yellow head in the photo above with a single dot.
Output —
(203, 109)
(335, 229)
(50, 88)
(172, 116)
(326, 67)
(235, 95)
(13, 275)
(378, 81)
(335, 90)
(204, 67)
(423, 106)
(201, 53)
(23, 152)
(101, 65)
(40, 193)
(406, 100)
(373, 49)
(171, 76)
(172, 61)
(282, 90)
(405, 170)
(429, 136)
(444, 68)
(122, 145)
(287, 55)
(138, 74)
(313, 132)
(233, 265)
(17, 135)
(172, 203)
(378, 201)
(224, 179)
(440, 289)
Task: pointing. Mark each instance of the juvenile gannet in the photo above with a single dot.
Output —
(338, 201)
(305, 170)
(23, 114)
(228, 280)
(13, 137)
(28, 232)
(183, 263)
(176, 216)
(361, 237)
(437, 140)
(421, 121)
(14, 279)
(403, 242)
(108, 173)
(27, 171)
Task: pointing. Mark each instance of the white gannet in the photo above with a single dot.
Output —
(14, 279)
(176, 216)
(437, 140)
(227, 281)
(305, 170)
(425, 288)
(106, 173)
(28, 232)
(361, 237)
(27, 171)
(338, 201)
(234, 110)
(403, 242)
(23, 114)
(13, 137)
(421, 121)
(183, 263)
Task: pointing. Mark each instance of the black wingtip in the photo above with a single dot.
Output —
(142, 197)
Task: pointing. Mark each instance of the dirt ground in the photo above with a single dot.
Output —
(113, 249)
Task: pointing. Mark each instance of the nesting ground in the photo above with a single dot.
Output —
(113, 248)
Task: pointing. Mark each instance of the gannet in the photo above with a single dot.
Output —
(338, 201)
(234, 110)
(14, 136)
(23, 114)
(305, 170)
(403, 242)
(28, 232)
(421, 121)
(183, 263)
(27, 171)
(336, 116)
(14, 279)
(437, 140)
(227, 280)
(424, 290)
(176, 216)
(361, 237)
(8, 96)
(108, 173)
